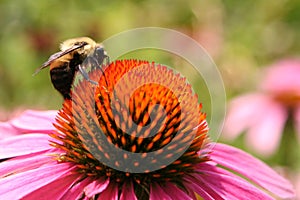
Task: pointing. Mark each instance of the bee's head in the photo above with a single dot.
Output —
(87, 45)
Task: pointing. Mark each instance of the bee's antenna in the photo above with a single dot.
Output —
(39, 69)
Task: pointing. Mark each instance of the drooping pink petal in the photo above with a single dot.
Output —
(264, 135)
(24, 144)
(29, 121)
(283, 77)
(192, 194)
(96, 187)
(111, 192)
(32, 121)
(156, 192)
(19, 185)
(76, 191)
(7, 130)
(201, 188)
(242, 113)
(174, 192)
(253, 169)
(297, 120)
(56, 189)
(25, 163)
(226, 184)
(128, 192)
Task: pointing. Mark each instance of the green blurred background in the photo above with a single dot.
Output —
(241, 36)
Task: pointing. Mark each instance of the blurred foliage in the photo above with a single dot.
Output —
(241, 36)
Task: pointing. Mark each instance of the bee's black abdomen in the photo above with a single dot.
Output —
(62, 79)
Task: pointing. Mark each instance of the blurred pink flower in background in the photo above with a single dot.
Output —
(297, 185)
(31, 172)
(263, 113)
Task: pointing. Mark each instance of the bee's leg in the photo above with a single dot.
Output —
(97, 61)
(85, 75)
(107, 59)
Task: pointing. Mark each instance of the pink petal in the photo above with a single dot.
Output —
(174, 192)
(7, 130)
(156, 192)
(297, 120)
(226, 184)
(56, 189)
(96, 187)
(264, 136)
(19, 185)
(128, 192)
(111, 192)
(29, 121)
(35, 121)
(283, 77)
(24, 144)
(25, 163)
(76, 191)
(242, 113)
(192, 194)
(200, 188)
(253, 169)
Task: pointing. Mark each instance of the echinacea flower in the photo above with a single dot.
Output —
(72, 161)
(264, 113)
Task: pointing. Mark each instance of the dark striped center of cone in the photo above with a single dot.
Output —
(137, 117)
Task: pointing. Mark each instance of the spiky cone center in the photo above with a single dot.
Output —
(140, 108)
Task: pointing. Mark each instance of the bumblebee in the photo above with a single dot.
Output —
(69, 60)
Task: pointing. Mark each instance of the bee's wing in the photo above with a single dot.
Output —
(56, 56)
